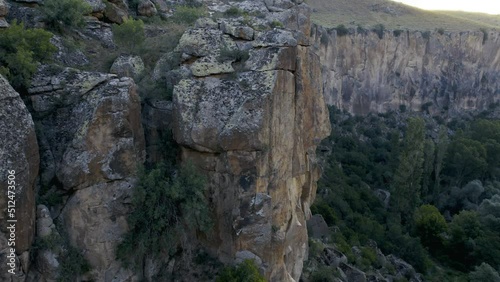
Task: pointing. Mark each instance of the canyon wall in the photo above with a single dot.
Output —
(364, 73)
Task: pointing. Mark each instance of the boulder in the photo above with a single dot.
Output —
(146, 8)
(318, 228)
(125, 65)
(115, 13)
(98, 6)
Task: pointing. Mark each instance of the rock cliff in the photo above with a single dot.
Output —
(247, 110)
(363, 72)
(18, 153)
(252, 123)
(91, 144)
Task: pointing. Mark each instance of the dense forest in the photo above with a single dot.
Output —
(423, 188)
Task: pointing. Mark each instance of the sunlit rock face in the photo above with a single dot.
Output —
(252, 126)
(363, 73)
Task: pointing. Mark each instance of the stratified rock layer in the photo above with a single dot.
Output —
(363, 73)
(19, 153)
(254, 133)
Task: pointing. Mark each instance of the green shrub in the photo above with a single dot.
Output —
(72, 265)
(484, 272)
(379, 30)
(276, 24)
(440, 30)
(187, 14)
(129, 35)
(69, 13)
(342, 30)
(397, 32)
(360, 29)
(426, 34)
(71, 262)
(324, 274)
(165, 208)
(247, 271)
(21, 50)
(233, 12)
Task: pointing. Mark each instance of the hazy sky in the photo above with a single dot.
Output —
(484, 6)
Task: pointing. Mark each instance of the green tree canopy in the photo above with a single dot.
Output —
(21, 51)
(430, 224)
(69, 13)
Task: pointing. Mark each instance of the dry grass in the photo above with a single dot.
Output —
(392, 15)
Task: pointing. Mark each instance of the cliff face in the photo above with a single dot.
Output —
(248, 110)
(91, 143)
(363, 73)
(254, 133)
(18, 153)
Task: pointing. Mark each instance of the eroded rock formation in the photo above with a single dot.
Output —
(364, 73)
(253, 126)
(91, 143)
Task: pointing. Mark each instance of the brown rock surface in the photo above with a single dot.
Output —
(92, 143)
(254, 133)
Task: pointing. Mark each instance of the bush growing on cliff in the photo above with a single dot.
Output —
(166, 208)
(130, 35)
(342, 30)
(187, 14)
(379, 29)
(69, 13)
(21, 50)
(247, 271)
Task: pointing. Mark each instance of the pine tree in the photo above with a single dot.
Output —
(406, 187)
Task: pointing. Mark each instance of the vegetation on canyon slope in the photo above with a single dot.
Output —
(444, 209)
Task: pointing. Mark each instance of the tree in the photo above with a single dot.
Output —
(247, 271)
(429, 225)
(464, 231)
(428, 166)
(166, 209)
(465, 160)
(484, 273)
(441, 148)
(21, 50)
(130, 35)
(69, 13)
(406, 187)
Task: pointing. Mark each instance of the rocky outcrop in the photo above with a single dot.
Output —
(146, 8)
(91, 143)
(364, 73)
(130, 66)
(251, 116)
(19, 163)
